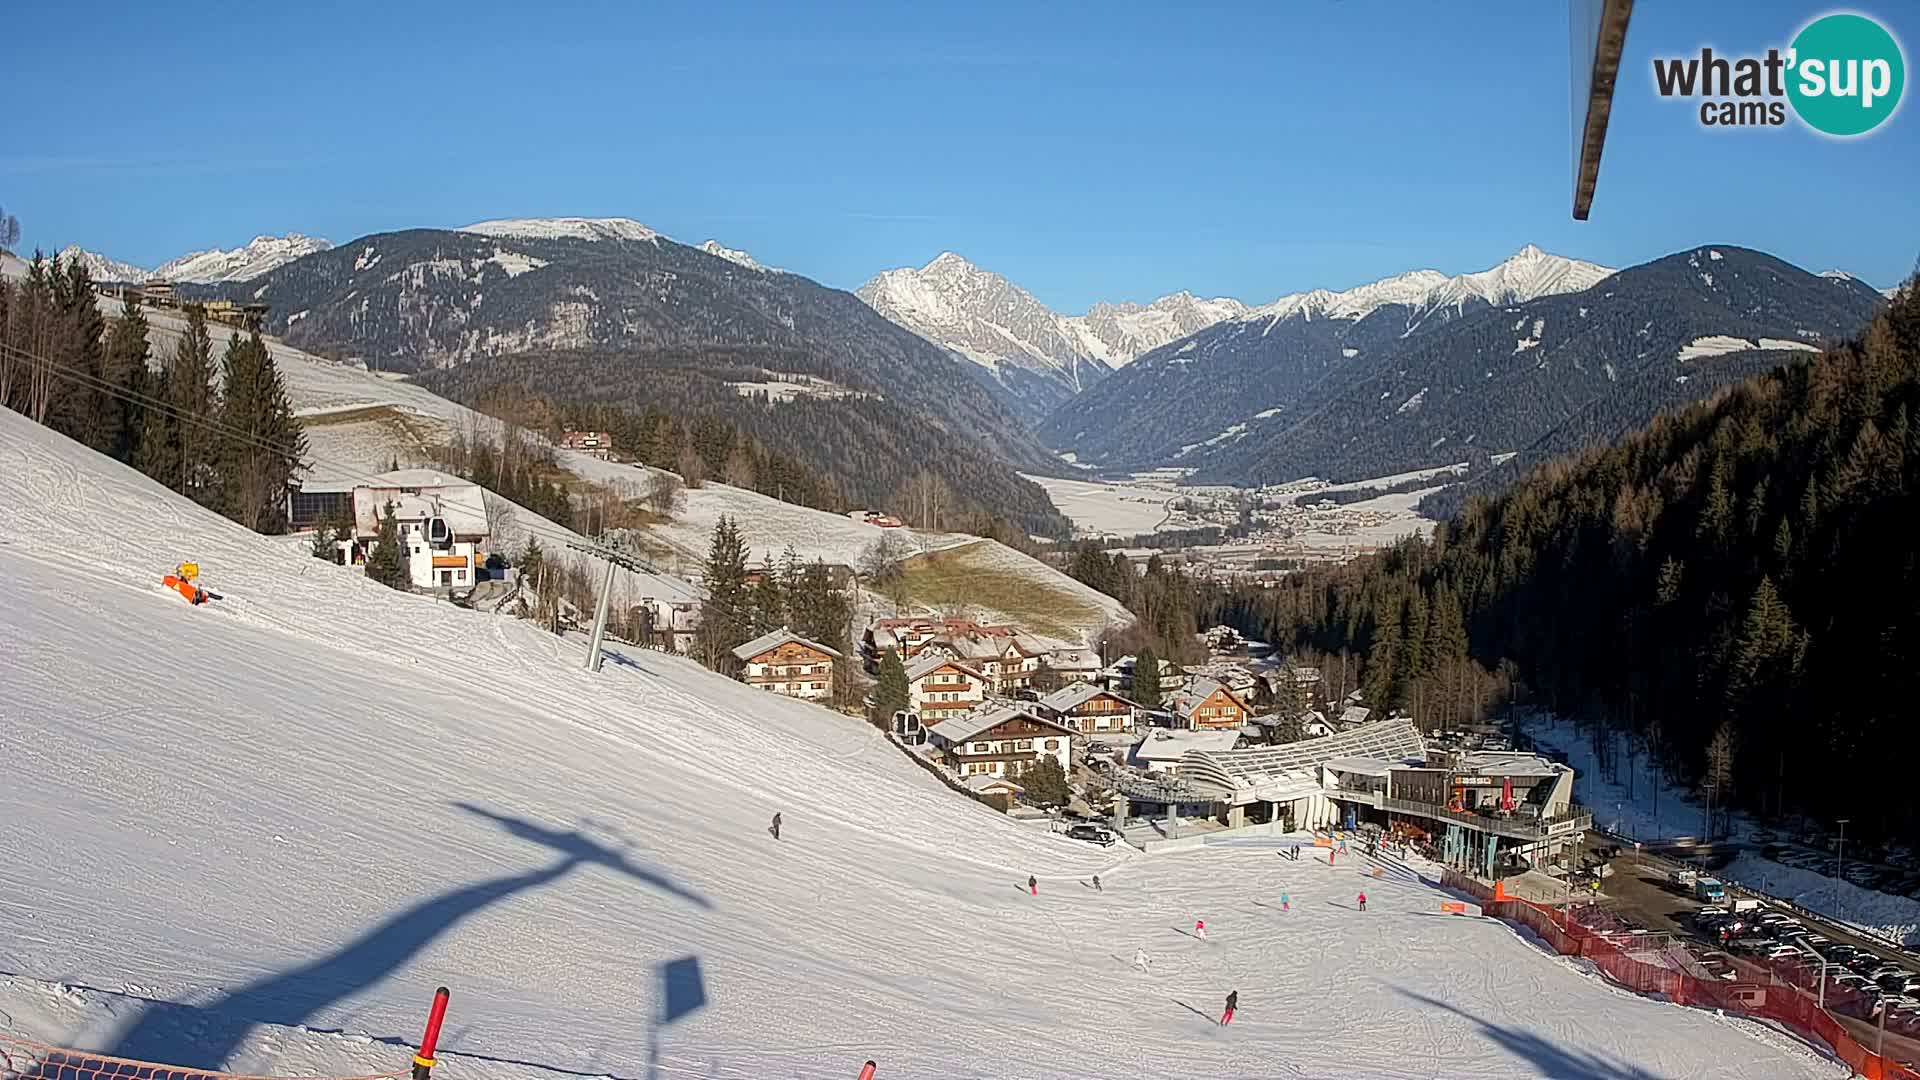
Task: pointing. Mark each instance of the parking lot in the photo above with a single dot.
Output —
(1789, 946)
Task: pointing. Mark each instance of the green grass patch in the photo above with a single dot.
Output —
(963, 577)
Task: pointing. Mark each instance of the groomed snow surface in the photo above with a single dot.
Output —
(299, 809)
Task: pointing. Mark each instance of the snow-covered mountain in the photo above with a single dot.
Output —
(1528, 274)
(102, 268)
(1033, 357)
(1398, 374)
(1122, 333)
(565, 228)
(258, 256)
(736, 256)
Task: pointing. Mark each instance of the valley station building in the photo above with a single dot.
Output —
(1482, 811)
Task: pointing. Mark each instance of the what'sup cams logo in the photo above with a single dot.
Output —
(1842, 76)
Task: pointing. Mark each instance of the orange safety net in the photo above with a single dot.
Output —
(24, 1060)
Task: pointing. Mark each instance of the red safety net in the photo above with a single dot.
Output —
(23, 1060)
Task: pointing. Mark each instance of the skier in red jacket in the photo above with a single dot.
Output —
(1363, 901)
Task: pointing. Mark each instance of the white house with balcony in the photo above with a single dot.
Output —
(442, 525)
(1001, 740)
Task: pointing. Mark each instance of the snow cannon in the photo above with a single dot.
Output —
(183, 580)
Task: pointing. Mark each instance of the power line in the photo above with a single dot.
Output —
(78, 375)
(567, 539)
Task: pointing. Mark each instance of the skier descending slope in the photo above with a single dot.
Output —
(1363, 901)
(1200, 929)
(1033, 885)
(1233, 1002)
(1142, 961)
(775, 827)
(1286, 904)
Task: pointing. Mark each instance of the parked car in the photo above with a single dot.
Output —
(1093, 834)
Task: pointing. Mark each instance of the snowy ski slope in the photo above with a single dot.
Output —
(257, 834)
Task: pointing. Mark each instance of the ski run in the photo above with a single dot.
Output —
(256, 835)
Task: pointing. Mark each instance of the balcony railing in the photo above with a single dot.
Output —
(1577, 819)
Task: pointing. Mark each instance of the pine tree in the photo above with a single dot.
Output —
(87, 410)
(323, 540)
(1046, 782)
(890, 694)
(191, 399)
(1146, 680)
(725, 617)
(388, 563)
(769, 608)
(261, 444)
(825, 611)
(157, 451)
(1718, 781)
(127, 353)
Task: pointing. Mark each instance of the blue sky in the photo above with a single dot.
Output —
(1113, 151)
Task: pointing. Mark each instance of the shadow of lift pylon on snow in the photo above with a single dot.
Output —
(1560, 1062)
(202, 1037)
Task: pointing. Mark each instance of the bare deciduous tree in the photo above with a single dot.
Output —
(691, 468)
(925, 500)
(503, 525)
(665, 496)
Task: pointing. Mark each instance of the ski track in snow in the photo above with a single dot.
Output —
(297, 810)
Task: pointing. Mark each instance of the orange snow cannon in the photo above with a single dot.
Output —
(182, 581)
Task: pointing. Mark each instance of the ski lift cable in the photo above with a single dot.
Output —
(568, 539)
(74, 374)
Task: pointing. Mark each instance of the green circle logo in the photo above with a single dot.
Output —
(1847, 74)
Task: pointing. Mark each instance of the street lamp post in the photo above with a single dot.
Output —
(1840, 865)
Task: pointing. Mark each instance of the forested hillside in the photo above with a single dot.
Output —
(1740, 576)
(867, 447)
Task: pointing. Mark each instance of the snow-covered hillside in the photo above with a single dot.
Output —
(565, 228)
(236, 829)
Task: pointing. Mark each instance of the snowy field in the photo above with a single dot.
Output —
(1639, 804)
(1115, 509)
(257, 834)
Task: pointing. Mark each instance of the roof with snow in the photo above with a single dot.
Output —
(1165, 744)
(1077, 694)
(418, 494)
(927, 664)
(1188, 702)
(962, 728)
(1289, 771)
(1517, 763)
(981, 783)
(1361, 766)
(775, 639)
